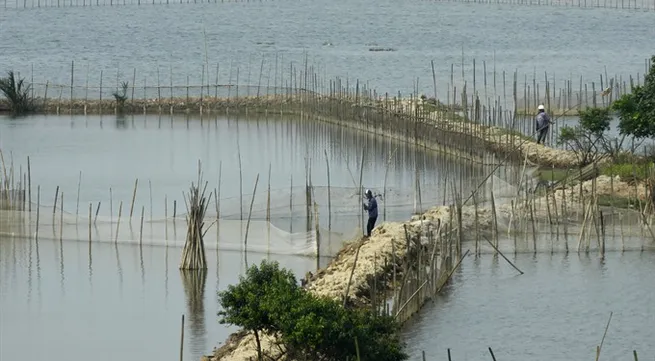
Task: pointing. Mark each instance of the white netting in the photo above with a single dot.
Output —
(280, 221)
(223, 234)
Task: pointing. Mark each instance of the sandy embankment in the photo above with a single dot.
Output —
(497, 139)
(332, 281)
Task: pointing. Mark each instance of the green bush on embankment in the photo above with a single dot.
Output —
(17, 94)
(269, 300)
(629, 172)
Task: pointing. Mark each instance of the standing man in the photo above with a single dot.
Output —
(543, 124)
(372, 208)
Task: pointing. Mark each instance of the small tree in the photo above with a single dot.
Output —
(587, 139)
(310, 327)
(17, 94)
(636, 110)
(258, 300)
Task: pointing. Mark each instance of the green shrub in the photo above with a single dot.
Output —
(17, 94)
(310, 327)
(629, 172)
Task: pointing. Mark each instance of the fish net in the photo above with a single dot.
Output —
(297, 220)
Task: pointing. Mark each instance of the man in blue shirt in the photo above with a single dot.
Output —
(372, 208)
(543, 124)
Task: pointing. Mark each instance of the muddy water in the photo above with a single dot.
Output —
(557, 310)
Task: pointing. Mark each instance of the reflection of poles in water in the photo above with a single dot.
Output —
(194, 288)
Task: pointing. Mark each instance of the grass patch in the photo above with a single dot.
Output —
(553, 174)
(629, 172)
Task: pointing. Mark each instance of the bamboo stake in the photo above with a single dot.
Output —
(501, 253)
(182, 340)
(29, 185)
(327, 165)
(61, 218)
(136, 184)
(352, 272)
(141, 228)
(150, 191)
(38, 211)
(54, 207)
(361, 175)
(90, 213)
(252, 201)
(118, 224)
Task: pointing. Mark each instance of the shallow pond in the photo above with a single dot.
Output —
(111, 298)
(557, 310)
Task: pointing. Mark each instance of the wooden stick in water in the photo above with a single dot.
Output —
(143, 209)
(90, 212)
(327, 164)
(359, 200)
(118, 223)
(252, 201)
(54, 207)
(493, 357)
(61, 218)
(38, 211)
(182, 340)
(166, 215)
(603, 339)
(77, 205)
(150, 190)
(97, 211)
(136, 184)
(111, 206)
(501, 253)
(29, 185)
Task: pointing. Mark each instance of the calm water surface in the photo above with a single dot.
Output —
(64, 301)
(557, 310)
(163, 153)
(336, 36)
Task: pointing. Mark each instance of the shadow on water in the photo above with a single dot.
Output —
(194, 287)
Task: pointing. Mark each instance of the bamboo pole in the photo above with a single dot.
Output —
(90, 214)
(136, 185)
(118, 224)
(29, 184)
(502, 255)
(327, 165)
(182, 340)
(252, 201)
(61, 217)
(38, 211)
(141, 227)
